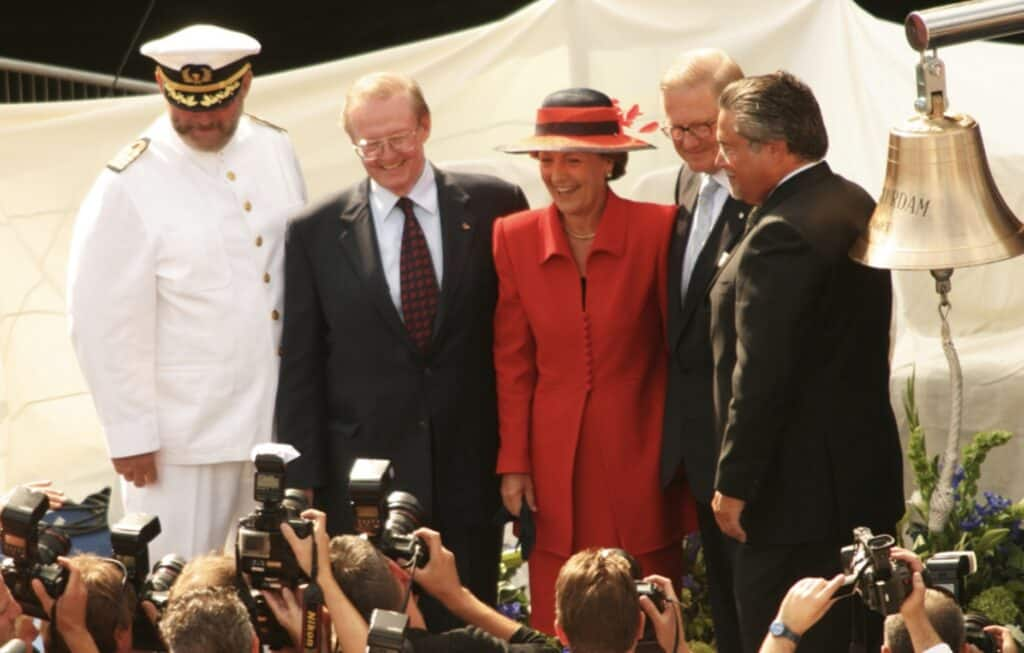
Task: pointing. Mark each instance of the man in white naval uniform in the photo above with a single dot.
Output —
(175, 292)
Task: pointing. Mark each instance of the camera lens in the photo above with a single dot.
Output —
(881, 542)
(405, 514)
(294, 502)
(165, 573)
(52, 543)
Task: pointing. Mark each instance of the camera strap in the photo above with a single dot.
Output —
(312, 601)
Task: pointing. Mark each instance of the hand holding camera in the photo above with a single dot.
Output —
(807, 601)
(440, 577)
(302, 545)
(659, 602)
(67, 611)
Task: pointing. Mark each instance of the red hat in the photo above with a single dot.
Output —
(577, 120)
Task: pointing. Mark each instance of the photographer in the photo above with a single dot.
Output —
(597, 607)
(69, 615)
(208, 620)
(365, 576)
(349, 626)
(929, 620)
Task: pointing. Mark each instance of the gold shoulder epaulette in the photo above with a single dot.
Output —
(127, 155)
(266, 123)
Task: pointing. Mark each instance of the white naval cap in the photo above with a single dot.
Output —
(206, 45)
(202, 65)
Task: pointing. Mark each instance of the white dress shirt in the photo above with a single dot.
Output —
(389, 221)
(175, 293)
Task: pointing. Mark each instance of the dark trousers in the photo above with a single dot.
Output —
(719, 553)
(763, 575)
(477, 553)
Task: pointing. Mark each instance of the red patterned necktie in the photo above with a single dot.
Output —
(419, 284)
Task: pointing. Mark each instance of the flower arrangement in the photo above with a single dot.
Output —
(992, 528)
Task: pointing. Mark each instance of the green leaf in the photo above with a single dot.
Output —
(990, 539)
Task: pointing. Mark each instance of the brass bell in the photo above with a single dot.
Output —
(939, 207)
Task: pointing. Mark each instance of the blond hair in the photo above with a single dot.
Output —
(709, 66)
(383, 86)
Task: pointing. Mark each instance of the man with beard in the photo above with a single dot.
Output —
(175, 291)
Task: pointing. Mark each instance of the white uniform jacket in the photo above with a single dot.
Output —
(175, 293)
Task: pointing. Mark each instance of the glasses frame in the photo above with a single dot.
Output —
(693, 129)
(389, 141)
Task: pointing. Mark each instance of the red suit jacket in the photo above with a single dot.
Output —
(565, 373)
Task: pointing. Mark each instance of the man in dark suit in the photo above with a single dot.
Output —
(800, 338)
(708, 224)
(387, 346)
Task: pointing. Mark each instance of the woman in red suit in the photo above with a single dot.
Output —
(580, 353)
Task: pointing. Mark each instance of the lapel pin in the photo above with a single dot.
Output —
(464, 226)
(723, 258)
(743, 214)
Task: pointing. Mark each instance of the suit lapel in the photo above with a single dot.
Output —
(687, 186)
(684, 219)
(737, 222)
(358, 243)
(459, 228)
(723, 237)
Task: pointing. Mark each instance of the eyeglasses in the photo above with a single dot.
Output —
(699, 130)
(401, 142)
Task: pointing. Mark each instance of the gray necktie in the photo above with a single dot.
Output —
(699, 230)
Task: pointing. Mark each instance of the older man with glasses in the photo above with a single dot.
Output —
(389, 301)
(708, 224)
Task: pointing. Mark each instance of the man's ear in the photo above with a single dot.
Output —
(246, 81)
(123, 638)
(159, 77)
(255, 643)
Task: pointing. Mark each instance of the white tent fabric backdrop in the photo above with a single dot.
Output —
(483, 86)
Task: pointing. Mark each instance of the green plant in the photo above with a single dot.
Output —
(992, 529)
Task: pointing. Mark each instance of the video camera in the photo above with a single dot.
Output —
(262, 551)
(883, 584)
(129, 539)
(386, 519)
(32, 549)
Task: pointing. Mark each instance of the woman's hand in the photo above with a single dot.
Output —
(515, 488)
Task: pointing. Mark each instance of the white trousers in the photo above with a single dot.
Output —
(198, 506)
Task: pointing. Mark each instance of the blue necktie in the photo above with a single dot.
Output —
(699, 230)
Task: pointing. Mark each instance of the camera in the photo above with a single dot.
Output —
(974, 631)
(129, 539)
(387, 519)
(658, 598)
(387, 631)
(884, 584)
(262, 552)
(32, 549)
(271, 633)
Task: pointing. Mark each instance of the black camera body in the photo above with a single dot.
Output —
(658, 598)
(882, 583)
(32, 549)
(262, 551)
(129, 540)
(386, 518)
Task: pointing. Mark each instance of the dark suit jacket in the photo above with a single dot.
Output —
(354, 385)
(689, 437)
(800, 335)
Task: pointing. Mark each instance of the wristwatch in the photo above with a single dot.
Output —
(779, 629)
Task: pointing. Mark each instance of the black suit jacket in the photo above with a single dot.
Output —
(689, 437)
(800, 335)
(354, 385)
